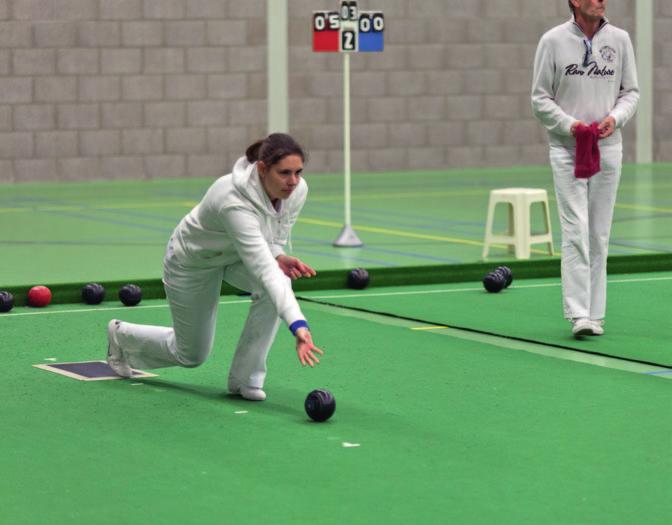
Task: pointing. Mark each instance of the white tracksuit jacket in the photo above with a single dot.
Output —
(564, 91)
(233, 234)
(236, 222)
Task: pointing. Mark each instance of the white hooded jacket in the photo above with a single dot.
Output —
(236, 222)
(565, 90)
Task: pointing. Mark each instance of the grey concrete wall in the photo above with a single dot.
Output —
(451, 90)
(95, 89)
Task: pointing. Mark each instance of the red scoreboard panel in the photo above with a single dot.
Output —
(326, 32)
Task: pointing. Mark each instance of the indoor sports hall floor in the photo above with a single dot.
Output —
(453, 405)
(443, 425)
(73, 232)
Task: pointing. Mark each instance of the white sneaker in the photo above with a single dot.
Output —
(598, 326)
(248, 392)
(252, 394)
(582, 326)
(115, 355)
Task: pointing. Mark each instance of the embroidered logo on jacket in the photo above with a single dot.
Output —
(591, 70)
(608, 54)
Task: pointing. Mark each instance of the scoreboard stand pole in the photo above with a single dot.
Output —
(347, 238)
(347, 31)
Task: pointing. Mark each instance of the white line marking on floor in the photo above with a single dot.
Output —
(345, 444)
(343, 296)
(240, 412)
(557, 353)
(504, 342)
(474, 289)
(50, 358)
(112, 309)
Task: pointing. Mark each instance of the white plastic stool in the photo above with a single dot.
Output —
(519, 236)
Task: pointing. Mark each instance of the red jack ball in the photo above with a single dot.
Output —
(39, 296)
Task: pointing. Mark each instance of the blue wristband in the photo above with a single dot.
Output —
(298, 324)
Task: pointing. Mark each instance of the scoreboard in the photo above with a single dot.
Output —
(348, 30)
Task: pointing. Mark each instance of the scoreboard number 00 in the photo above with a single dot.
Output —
(371, 22)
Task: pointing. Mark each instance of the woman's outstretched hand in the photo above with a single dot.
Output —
(305, 348)
(294, 268)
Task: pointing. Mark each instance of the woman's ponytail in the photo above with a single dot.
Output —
(252, 151)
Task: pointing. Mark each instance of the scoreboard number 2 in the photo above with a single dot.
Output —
(348, 40)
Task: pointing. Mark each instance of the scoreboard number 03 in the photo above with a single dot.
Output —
(349, 11)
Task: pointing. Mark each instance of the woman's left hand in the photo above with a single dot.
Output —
(306, 349)
(294, 268)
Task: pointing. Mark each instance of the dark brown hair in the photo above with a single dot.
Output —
(571, 7)
(273, 149)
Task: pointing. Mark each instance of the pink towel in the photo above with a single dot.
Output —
(587, 151)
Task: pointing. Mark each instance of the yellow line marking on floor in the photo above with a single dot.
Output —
(401, 233)
(429, 328)
(404, 195)
(643, 207)
(639, 207)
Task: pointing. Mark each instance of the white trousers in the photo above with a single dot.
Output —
(193, 296)
(586, 208)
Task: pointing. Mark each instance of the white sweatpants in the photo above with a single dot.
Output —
(586, 208)
(193, 296)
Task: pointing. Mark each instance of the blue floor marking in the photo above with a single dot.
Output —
(338, 210)
(369, 248)
(94, 218)
(335, 255)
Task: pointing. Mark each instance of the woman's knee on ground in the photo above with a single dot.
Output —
(192, 353)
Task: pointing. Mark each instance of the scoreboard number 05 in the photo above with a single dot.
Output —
(326, 21)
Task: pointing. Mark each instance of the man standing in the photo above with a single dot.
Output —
(585, 74)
